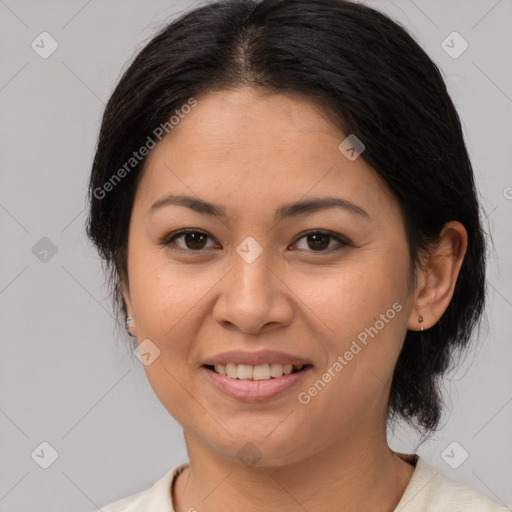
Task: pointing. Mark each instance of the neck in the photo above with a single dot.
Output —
(353, 476)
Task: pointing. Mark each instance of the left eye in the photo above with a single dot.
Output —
(320, 241)
(194, 240)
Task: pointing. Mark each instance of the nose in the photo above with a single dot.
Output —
(253, 297)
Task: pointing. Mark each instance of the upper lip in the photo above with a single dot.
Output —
(255, 358)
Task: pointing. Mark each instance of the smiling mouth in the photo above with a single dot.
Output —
(256, 373)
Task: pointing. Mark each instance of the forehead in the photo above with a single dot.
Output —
(249, 147)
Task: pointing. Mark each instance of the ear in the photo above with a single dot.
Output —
(436, 280)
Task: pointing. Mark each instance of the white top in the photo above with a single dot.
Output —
(427, 491)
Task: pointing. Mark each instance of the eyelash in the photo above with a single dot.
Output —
(169, 239)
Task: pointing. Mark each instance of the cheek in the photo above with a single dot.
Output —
(164, 295)
(359, 326)
(359, 318)
(351, 298)
(164, 299)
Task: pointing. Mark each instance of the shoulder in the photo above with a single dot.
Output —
(430, 490)
(157, 497)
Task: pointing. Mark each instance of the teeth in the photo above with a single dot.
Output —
(277, 370)
(244, 371)
(259, 372)
(231, 370)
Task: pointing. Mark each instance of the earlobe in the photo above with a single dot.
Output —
(438, 277)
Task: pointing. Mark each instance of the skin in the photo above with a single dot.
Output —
(252, 152)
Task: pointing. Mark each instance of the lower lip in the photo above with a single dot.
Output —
(255, 390)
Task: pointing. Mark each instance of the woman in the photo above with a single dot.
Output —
(283, 194)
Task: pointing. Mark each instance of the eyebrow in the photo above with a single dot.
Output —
(284, 211)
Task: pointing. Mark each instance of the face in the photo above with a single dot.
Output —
(328, 286)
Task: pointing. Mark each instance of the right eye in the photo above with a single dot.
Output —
(193, 240)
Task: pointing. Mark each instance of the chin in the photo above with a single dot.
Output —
(262, 451)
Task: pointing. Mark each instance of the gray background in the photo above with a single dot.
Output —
(68, 377)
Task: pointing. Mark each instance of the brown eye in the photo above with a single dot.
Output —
(192, 240)
(320, 241)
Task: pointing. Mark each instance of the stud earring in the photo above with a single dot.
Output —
(128, 320)
(420, 320)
